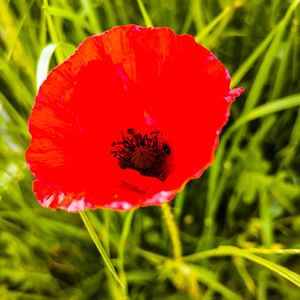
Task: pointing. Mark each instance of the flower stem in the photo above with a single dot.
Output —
(173, 230)
(99, 246)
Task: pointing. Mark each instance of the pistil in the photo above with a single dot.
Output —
(146, 154)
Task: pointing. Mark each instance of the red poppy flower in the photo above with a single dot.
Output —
(127, 120)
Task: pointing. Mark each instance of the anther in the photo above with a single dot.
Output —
(146, 154)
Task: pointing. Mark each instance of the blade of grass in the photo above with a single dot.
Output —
(293, 142)
(275, 10)
(53, 34)
(205, 31)
(43, 64)
(269, 58)
(121, 11)
(110, 13)
(99, 246)
(108, 237)
(296, 48)
(262, 289)
(19, 90)
(14, 114)
(281, 74)
(209, 279)
(198, 16)
(172, 15)
(151, 256)
(188, 20)
(95, 23)
(266, 218)
(248, 281)
(259, 112)
(68, 14)
(274, 251)
(13, 44)
(244, 253)
(215, 35)
(249, 62)
(44, 60)
(124, 235)
(145, 14)
(267, 109)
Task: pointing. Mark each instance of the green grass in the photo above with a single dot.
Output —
(239, 223)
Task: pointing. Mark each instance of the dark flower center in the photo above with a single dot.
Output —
(146, 154)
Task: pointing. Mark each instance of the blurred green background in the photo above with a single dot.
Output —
(237, 217)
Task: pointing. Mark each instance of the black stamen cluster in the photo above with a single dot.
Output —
(125, 149)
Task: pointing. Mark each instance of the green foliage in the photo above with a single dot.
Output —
(245, 207)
